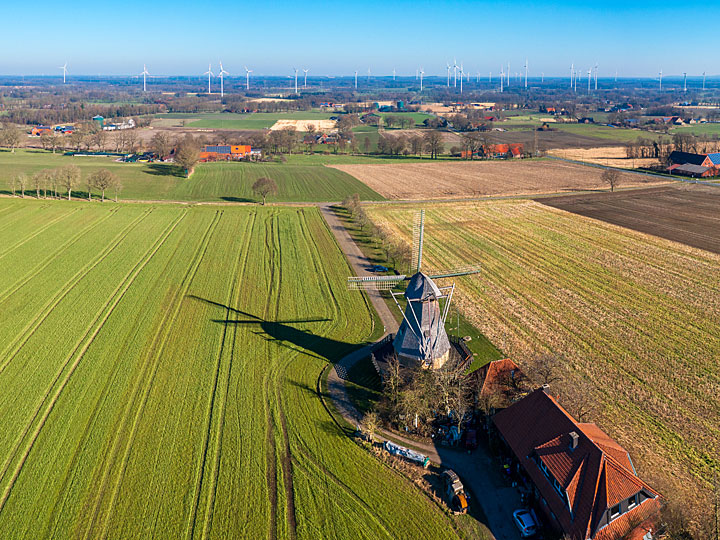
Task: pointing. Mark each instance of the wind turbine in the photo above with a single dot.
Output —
(356, 79)
(490, 77)
(368, 75)
(684, 82)
(422, 72)
(296, 72)
(455, 68)
(209, 73)
(221, 75)
(64, 68)
(526, 73)
(703, 81)
(144, 76)
(661, 79)
(589, 79)
(542, 76)
(572, 75)
(596, 70)
(502, 79)
(305, 82)
(448, 75)
(508, 75)
(247, 78)
(462, 73)
(393, 74)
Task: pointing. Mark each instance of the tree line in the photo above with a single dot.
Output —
(49, 183)
(662, 148)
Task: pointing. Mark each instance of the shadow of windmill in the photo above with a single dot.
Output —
(285, 333)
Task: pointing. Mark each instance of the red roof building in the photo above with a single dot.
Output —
(502, 378)
(585, 482)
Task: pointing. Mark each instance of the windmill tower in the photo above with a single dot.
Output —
(421, 338)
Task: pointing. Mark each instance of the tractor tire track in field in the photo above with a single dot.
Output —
(26, 333)
(231, 300)
(277, 371)
(149, 369)
(271, 449)
(59, 251)
(39, 231)
(78, 353)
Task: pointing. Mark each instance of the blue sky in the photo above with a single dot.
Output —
(182, 37)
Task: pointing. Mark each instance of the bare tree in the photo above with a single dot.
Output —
(187, 154)
(39, 180)
(264, 186)
(69, 177)
(611, 177)
(546, 368)
(103, 180)
(370, 424)
(433, 143)
(21, 181)
(161, 144)
(10, 137)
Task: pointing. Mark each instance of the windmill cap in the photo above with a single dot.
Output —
(422, 288)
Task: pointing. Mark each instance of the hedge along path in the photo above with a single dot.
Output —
(158, 346)
(14, 346)
(59, 250)
(82, 346)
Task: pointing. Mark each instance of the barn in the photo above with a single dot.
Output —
(225, 152)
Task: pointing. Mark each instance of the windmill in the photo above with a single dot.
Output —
(64, 68)
(209, 73)
(422, 72)
(221, 75)
(305, 71)
(421, 338)
(247, 78)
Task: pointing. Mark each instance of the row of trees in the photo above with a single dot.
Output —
(430, 142)
(397, 252)
(662, 148)
(48, 183)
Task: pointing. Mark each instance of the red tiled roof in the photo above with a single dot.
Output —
(596, 475)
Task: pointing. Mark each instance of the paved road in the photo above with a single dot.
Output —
(479, 471)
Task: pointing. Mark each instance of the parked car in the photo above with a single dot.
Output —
(526, 521)
(377, 268)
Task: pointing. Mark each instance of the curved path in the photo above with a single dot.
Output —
(479, 471)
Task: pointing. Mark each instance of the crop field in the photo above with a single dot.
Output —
(480, 178)
(234, 121)
(635, 317)
(682, 213)
(614, 156)
(159, 368)
(210, 182)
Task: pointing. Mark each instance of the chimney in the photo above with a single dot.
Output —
(574, 438)
(546, 388)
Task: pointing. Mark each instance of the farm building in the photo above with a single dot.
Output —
(64, 130)
(127, 124)
(225, 153)
(40, 130)
(582, 480)
(501, 382)
(695, 165)
(496, 151)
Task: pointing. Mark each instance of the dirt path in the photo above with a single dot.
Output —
(480, 473)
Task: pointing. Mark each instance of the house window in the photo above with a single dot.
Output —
(632, 502)
(615, 511)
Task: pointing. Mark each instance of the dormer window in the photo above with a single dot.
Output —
(632, 502)
(615, 512)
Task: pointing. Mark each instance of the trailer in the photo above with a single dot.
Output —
(410, 455)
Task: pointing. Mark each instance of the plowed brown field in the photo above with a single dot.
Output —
(448, 180)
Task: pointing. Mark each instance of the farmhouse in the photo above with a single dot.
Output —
(695, 165)
(583, 481)
(225, 153)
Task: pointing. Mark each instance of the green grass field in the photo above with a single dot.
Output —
(231, 121)
(159, 367)
(698, 129)
(309, 182)
(622, 135)
(419, 117)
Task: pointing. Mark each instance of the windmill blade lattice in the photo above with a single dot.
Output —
(374, 283)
